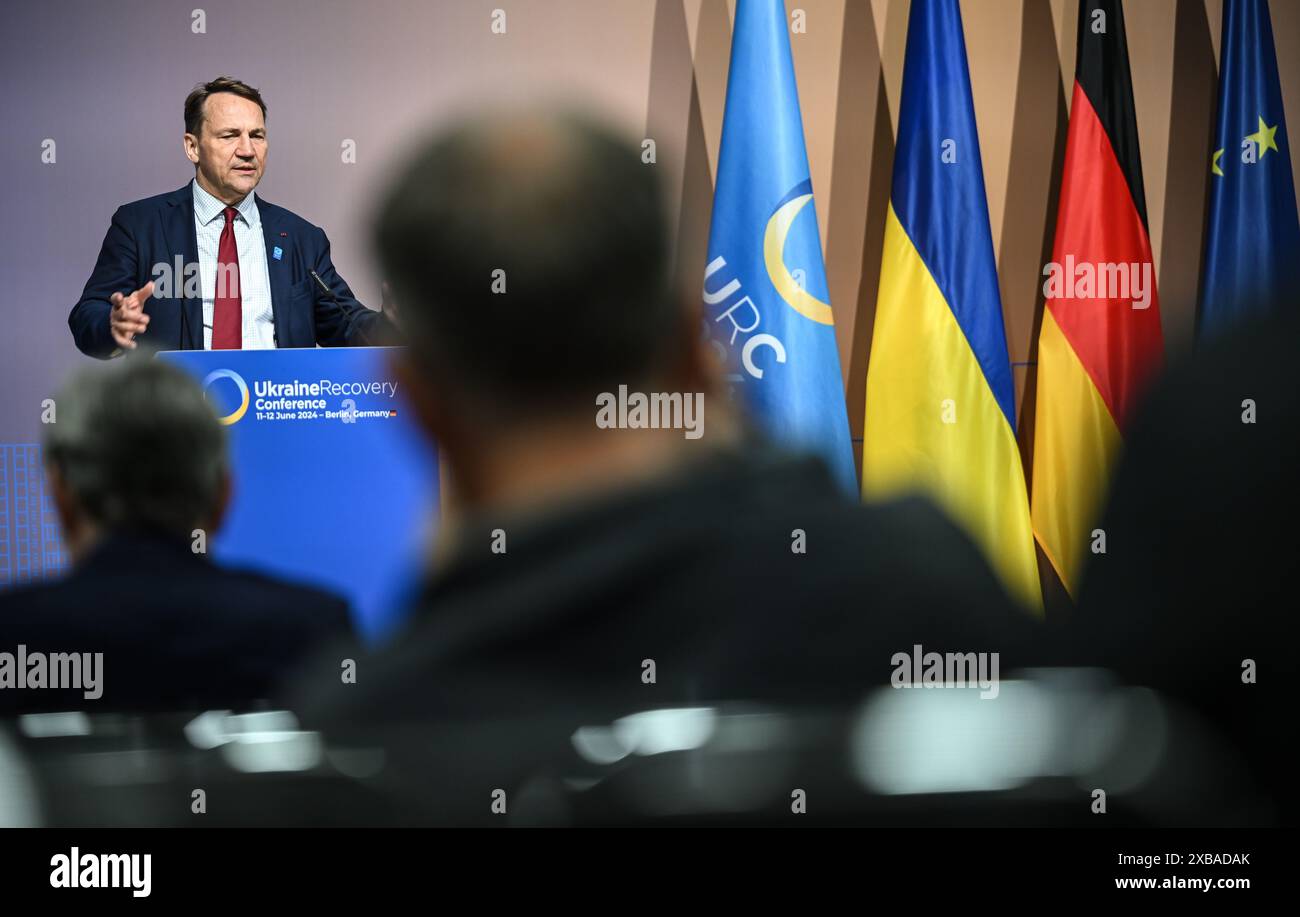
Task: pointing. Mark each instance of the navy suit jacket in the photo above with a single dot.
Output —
(160, 229)
(177, 631)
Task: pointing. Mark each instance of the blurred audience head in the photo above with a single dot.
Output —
(135, 447)
(529, 254)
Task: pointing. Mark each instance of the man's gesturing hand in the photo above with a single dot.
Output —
(128, 317)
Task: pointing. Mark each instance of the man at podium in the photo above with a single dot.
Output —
(211, 265)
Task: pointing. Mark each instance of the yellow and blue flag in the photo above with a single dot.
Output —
(940, 399)
(1252, 243)
(765, 294)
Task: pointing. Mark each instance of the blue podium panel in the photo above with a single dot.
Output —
(333, 485)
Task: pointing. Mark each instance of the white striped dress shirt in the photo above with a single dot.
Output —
(254, 278)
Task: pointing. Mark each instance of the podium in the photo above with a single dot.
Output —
(333, 485)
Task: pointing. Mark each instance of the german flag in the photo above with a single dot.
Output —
(1100, 341)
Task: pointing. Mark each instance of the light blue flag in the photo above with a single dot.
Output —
(765, 295)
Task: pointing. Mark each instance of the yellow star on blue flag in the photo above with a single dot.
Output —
(1252, 238)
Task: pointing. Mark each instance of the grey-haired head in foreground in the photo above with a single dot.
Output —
(136, 446)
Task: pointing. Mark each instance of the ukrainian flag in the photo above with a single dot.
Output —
(765, 296)
(940, 400)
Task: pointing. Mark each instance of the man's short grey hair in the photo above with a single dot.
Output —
(138, 446)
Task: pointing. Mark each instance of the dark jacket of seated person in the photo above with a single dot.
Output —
(742, 575)
(136, 467)
(175, 630)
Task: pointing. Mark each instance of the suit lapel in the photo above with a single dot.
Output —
(178, 228)
(277, 241)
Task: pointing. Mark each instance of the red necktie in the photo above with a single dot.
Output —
(227, 306)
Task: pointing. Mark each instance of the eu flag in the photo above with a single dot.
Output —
(1252, 249)
(765, 295)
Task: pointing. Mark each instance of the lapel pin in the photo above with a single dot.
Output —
(277, 253)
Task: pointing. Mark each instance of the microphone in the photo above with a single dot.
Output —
(324, 287)
(348, 319)
(185, 336)
(328, 292)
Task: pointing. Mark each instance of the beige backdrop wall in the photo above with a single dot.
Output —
(372, 76)
(376, 75)
(849, 66)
